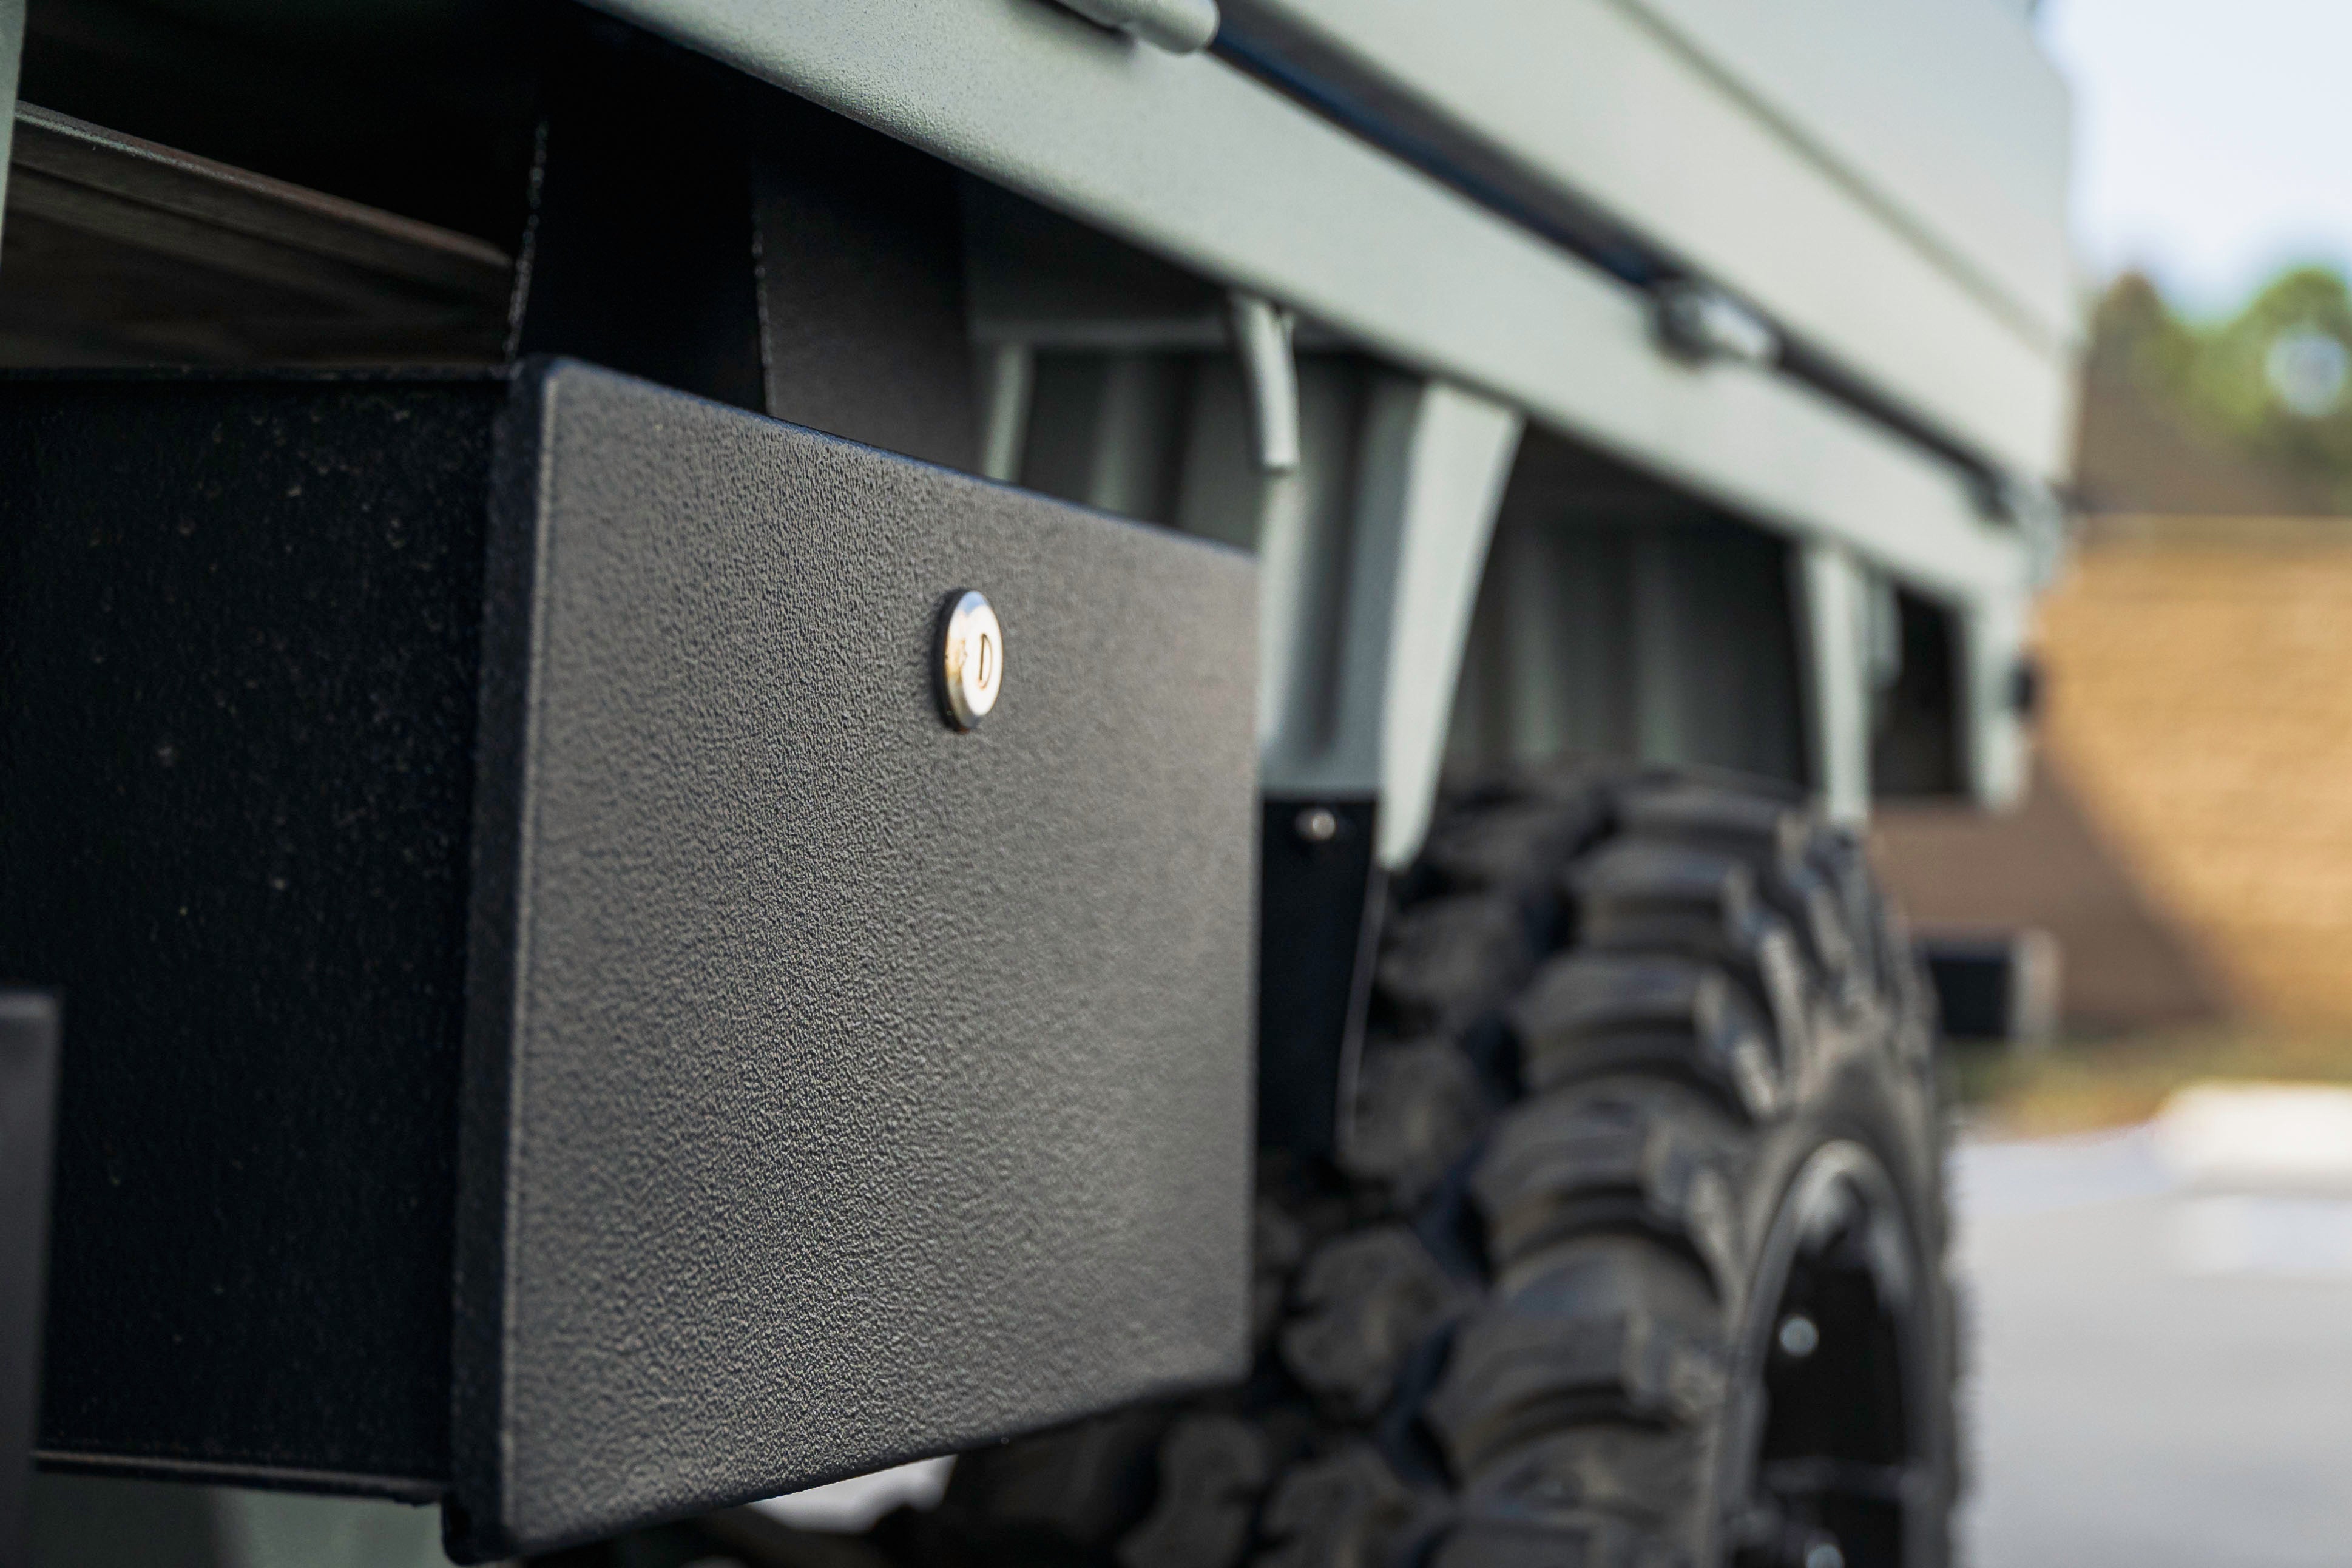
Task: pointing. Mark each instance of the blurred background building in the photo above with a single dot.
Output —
(2189, 840)
(2161, 1371)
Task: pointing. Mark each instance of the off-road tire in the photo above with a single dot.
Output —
(1632, 1254)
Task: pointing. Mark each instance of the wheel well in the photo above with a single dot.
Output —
(1621, 618)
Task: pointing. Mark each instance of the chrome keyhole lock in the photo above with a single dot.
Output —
(971, 658)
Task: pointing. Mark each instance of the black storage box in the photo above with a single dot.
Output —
(556, 1021)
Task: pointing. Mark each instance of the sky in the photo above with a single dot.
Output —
(2213, 139)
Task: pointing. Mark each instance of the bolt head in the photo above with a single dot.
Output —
(1798, 1336)
(1319, 824)
(971, 659)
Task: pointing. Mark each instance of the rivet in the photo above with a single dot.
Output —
(1319, 824)
(972, 658)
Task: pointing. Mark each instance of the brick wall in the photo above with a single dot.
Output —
(2200, 710)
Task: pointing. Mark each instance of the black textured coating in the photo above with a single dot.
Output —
(863, 327)
(237, 623)
(642, 194)
(868, 1089)
(1318, 903)
(880, 1089)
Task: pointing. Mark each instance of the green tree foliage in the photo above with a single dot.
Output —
(2271, 383)
(2274, 376)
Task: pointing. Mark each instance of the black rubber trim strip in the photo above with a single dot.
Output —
(1295, 65)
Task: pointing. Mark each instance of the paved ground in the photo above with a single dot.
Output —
(2160, 1376)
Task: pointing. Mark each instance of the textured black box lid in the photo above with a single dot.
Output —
(839, 1088)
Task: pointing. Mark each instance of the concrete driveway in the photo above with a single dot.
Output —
(2160, 1366)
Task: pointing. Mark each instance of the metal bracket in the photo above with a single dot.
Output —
(1318, 927)
(1699, 322)
(1180, 27)
(1008, 381)
(1262, 341)
(2041, 520)
(1833, 614)
(1994, 739)
(1364, 631)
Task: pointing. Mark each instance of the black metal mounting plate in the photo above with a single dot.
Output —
(841, 1088)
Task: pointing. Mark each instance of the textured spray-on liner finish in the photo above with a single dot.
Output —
(839, 1088)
